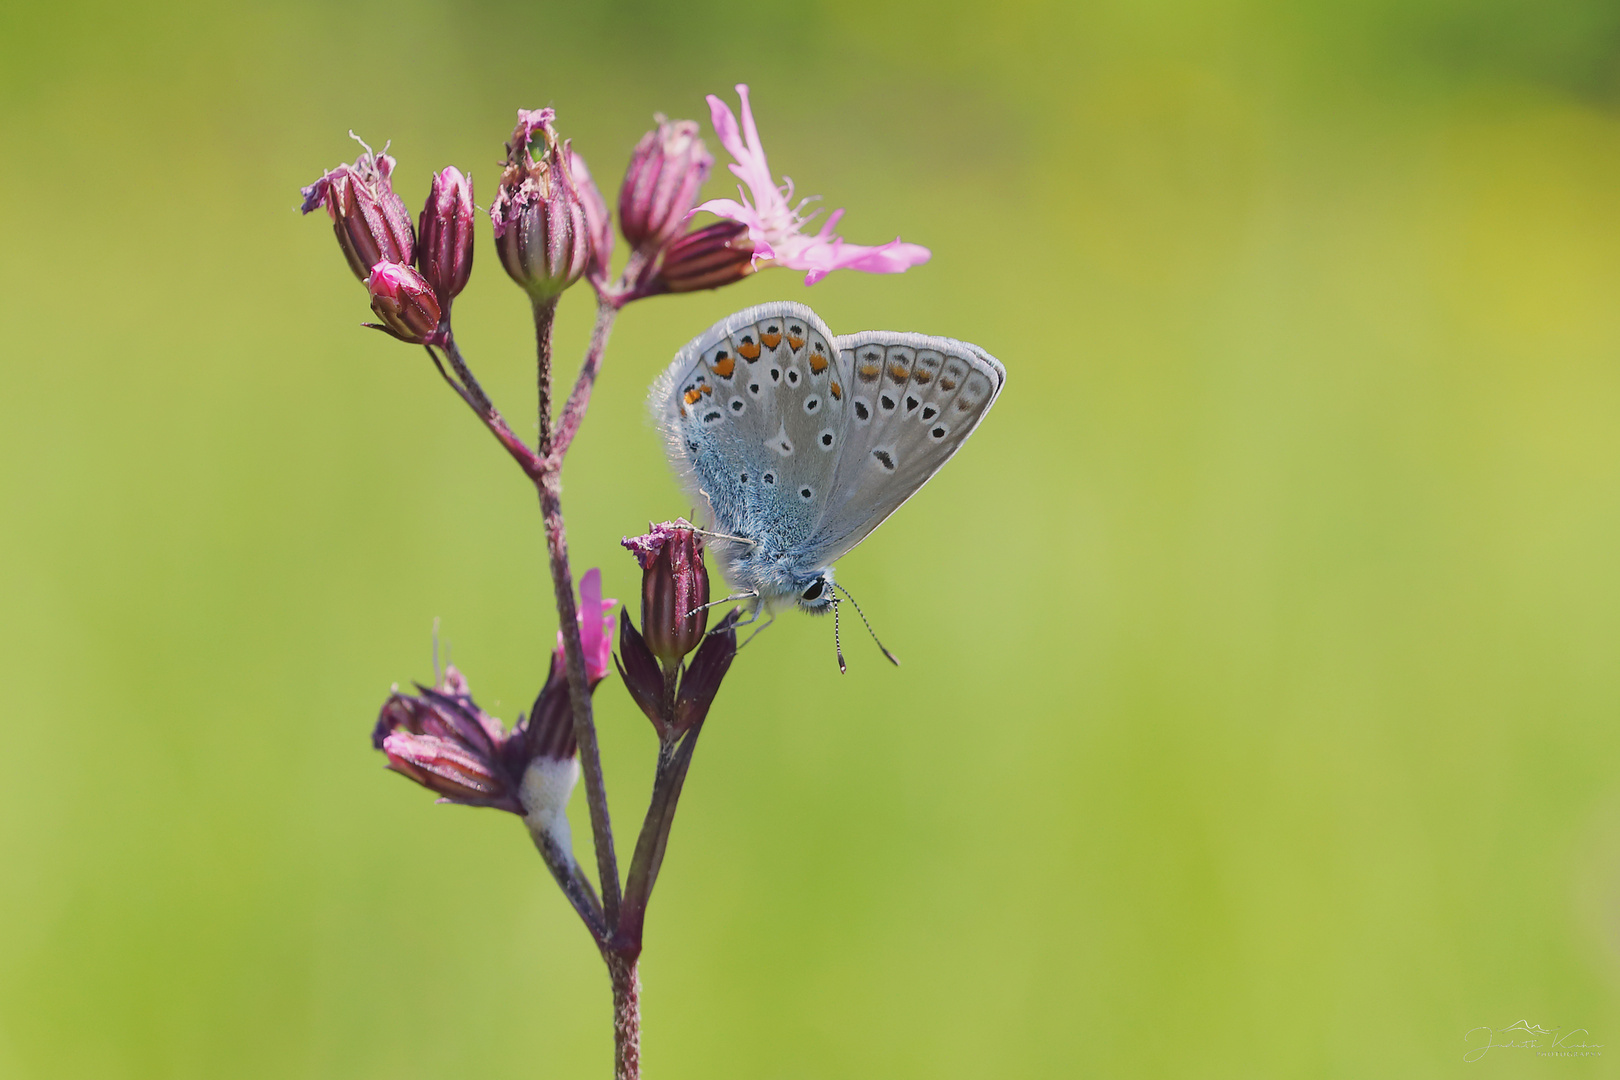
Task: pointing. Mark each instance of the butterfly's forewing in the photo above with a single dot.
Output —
(753, 410)
(912, 401)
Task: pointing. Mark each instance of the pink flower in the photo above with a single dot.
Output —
(405, 303)
(775, 227)
(445, 235)
(370, 219)
(541, 218)
(442, 740)
(595, 628)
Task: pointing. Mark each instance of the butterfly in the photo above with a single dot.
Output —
(798, 443)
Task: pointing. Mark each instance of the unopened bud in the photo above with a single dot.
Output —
(405, 303)
(661, 185)
(370, 220)
(541, 231)
(674, 589)
(445, 239)
(705, 258)
(442, 740)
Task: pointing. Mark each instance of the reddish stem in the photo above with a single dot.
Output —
(626, 1013)
(579, 691)
(674, 759)
(579, 399)
(467, 388)
(545, 311)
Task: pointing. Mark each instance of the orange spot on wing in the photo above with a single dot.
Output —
(818, 363)
(749, 351)
(693, 395)
(724, 368)
(923, 376)
(869, 372)
(795, 343)
(837, 392)
(705, 389)
(771, 340)
(947, 383)
(899, 372)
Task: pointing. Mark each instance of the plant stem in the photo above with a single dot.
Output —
(549, 486)
(674, 759)
(579, 691)
(545, 312)
(626, 1013)
(467, 388)
(574, 884)
(579, 399)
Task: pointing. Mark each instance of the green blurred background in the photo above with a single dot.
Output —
(1258, 716)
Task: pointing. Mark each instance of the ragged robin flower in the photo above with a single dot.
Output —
(705, 258)
(406, 304)
(542, 227)
(667, 169)
(441, 739)
(674, 588)
(674, 622)
(776, 224)
(445, 238)
(370, 220)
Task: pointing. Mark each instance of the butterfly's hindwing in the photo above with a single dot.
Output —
(914, 399)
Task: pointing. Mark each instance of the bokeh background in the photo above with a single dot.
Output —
(1258, 716)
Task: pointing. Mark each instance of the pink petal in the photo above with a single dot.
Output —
(762, 180)
(751, 167)
(821, 257)
(750, 132)
(725, 127)
(732, 210)
(590, 613)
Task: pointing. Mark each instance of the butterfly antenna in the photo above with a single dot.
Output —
(891, 657)
(837, 647)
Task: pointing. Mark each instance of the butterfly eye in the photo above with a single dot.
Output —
(815, 590)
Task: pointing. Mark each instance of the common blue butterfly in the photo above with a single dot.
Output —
(798, 443)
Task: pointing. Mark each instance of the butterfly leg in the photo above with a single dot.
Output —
(751, 595)
(753, 616)
(756, 633)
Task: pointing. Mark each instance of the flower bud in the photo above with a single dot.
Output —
(446, 743)
(674, 589)
(597, 220)
(705, 258)
(661, 185)
(445, 239)
(405, 303)
(370, 220)
(541, 231)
